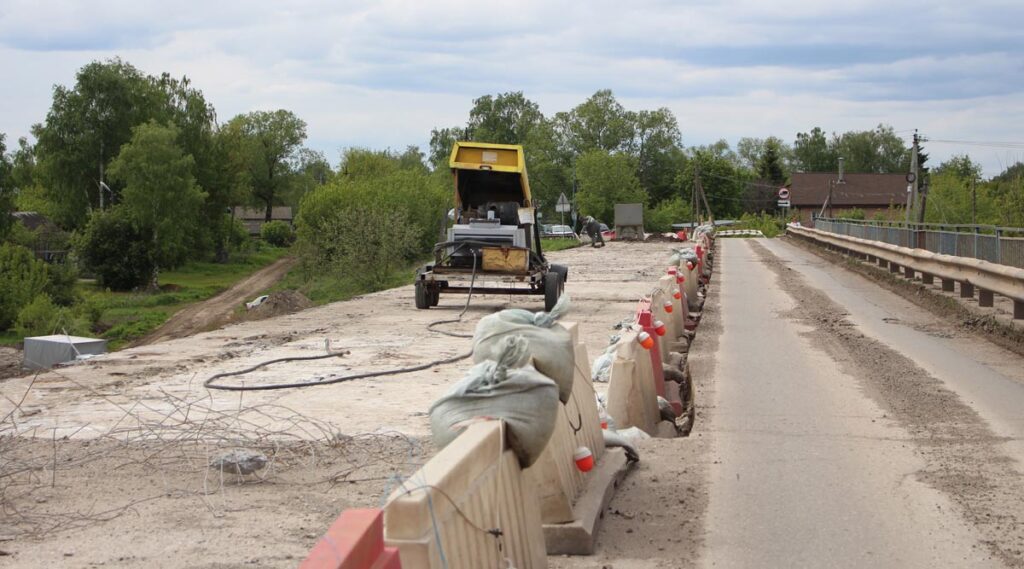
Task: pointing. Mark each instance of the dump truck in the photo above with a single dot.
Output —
(492, 245)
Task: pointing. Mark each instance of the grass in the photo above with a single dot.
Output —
(122, 317)
(549, 245)
(322, 288)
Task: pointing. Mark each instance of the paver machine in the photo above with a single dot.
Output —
(493, 243)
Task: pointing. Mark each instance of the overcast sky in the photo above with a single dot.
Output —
(383, 73)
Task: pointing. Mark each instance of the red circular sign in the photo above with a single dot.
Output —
(783, 193)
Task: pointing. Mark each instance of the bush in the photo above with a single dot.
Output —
(277, 233)
(61, 285)
(116, 251)
(22, 278)
(39, 318)
(659, 219)
(766, 223)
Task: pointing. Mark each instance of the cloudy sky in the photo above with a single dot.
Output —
(383, 73)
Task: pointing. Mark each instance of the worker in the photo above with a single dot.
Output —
(593, 229)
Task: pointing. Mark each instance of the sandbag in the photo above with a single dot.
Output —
(602, 367)
(508, 388)
(550, 344)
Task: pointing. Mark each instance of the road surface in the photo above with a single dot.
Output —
(852, 429)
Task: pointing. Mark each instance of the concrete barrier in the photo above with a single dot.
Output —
(470, 506)
(354, 541)
(632, 399)
(571, 501)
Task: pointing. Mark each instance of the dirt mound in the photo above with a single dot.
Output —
(10, 363)
(280, 303)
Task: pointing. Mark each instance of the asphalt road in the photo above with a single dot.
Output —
(850, 428)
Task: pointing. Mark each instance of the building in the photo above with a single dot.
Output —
(871, 193)
(253, 218)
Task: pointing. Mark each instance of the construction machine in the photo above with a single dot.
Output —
(492, 245)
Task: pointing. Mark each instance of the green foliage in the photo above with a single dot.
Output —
(160, 194)
(661, 217)
(878, 151)
(6, 191)
(22, 278)
(371, 225)
(724, 182)
(599, 123)
(507, 118)
(60, 286)
(605, 180)
(852, 213)
(266, 144)
(42, 317)
(277, 233)
(116, 250)
(766, 223)
(769, 166)
(550, 245)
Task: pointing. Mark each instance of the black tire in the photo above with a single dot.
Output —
(422, 295)
(552, 289)
(435, 295)
(562, 270)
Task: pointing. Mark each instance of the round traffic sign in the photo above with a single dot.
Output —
(783, 193)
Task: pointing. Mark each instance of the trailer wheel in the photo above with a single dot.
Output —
(552, 289)
(422, 295)
(435, 295)
(562, 270)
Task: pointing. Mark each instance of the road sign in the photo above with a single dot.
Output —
(783, 203)
(563, 205)
(784, 194)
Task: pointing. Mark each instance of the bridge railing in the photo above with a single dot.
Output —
(992, 243)
(989, 278)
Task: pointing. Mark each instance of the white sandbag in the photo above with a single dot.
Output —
(508, 388)
(550, 344)
(602, 367)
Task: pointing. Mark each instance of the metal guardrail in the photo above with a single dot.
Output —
(970, 273)
(984, 242)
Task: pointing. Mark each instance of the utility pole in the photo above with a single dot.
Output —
(912, 196)
(974, 203)
(695, 205)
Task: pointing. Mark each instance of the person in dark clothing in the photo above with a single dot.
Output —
(593, 229)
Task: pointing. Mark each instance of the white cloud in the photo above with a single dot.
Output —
(384, 73)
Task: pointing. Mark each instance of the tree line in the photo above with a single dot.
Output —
(142, 174)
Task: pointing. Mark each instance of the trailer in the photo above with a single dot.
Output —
(492, 245)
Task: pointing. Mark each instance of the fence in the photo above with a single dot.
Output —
(985, 242)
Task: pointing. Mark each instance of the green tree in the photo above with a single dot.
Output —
(441, 142)
(655, 145)
(813, 153)
(116, 250)
(722, 177)
(605, 180)
(22, 278)
(268, 143)
(599, 123)
(769, 166)
(6, 191)
(507, 118)
(877, 151)
(160, 192)
(84, 130)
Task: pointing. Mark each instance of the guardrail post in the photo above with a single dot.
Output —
(908, 272)
(966, 290)
(1018, 310)
(948, 285)
(882, 262)
(927, 278)
(985, 298)
(894, 268)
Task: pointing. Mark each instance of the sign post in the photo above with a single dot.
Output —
(563, 206)
(784, 198)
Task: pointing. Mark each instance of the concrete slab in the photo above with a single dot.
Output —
(580, 536)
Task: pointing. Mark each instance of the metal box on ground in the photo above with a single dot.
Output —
(505, 259)
(43, 352)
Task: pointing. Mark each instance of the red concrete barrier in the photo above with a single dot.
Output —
(354, 541)
(645, 320)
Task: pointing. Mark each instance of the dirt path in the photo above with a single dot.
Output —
(215, 312)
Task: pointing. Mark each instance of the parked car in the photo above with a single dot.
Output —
(559, 231)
